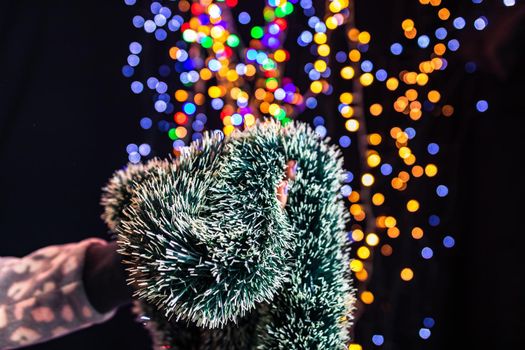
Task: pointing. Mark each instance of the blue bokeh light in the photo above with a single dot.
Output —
(386, 169)
(442, 191)
(449, 242)
(145, 123)
(378, 339)
(345, 141)
(424, 333)
(482, 106)
(427, 253)
(396, 49)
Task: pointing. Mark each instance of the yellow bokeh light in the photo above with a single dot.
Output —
(228, 129)
(367, 297)
(356, 265)
(355, 347)
(331, 22)
(372, 239)
(272, 84)
(347, 111)
(404, 152)
(374, 139)
(410, 78)
(373, 160)
(217, 47)
(316, 87)
(249, 119)
(323, 50)
(320, 38)
(363, 253)
(411, 159)
(378, 199)
(205, 74)
(216, 32)
(415, 114)
(367, 180)
(320, 66)
(412, 205)
(390, 221)
(376, 109)
(352, 125)
(364, 37)
(346, 98)
(232, 75)
(437, 63)
(411, 94)
(354, 55)
(181, 95)
(355, 209)
(434, 96)
(347, 72)
(407, 274)
(402, 137)
(181, 132)
(426, 67)
(431, 170)
(366, 79)
(234, 93)
(260, 94)
(214, 91)
(401, 104)
(250, 70)
(279, 55)
(338, 5)
(407, 24)
(357, 235)
(392, 84)
(274, 109)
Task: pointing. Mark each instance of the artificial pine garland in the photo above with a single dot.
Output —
(215, 260)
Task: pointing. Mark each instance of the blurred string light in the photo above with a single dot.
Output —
(212, 71)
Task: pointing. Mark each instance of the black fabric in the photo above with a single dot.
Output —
(105, 278)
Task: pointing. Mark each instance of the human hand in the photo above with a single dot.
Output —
(282, 189)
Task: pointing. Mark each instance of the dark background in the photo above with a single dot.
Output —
(67, 114)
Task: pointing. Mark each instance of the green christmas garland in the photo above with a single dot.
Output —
(217, 263)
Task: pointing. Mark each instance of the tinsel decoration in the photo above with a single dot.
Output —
(217, 263)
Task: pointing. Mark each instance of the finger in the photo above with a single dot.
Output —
(282, 193)
(291, 169)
